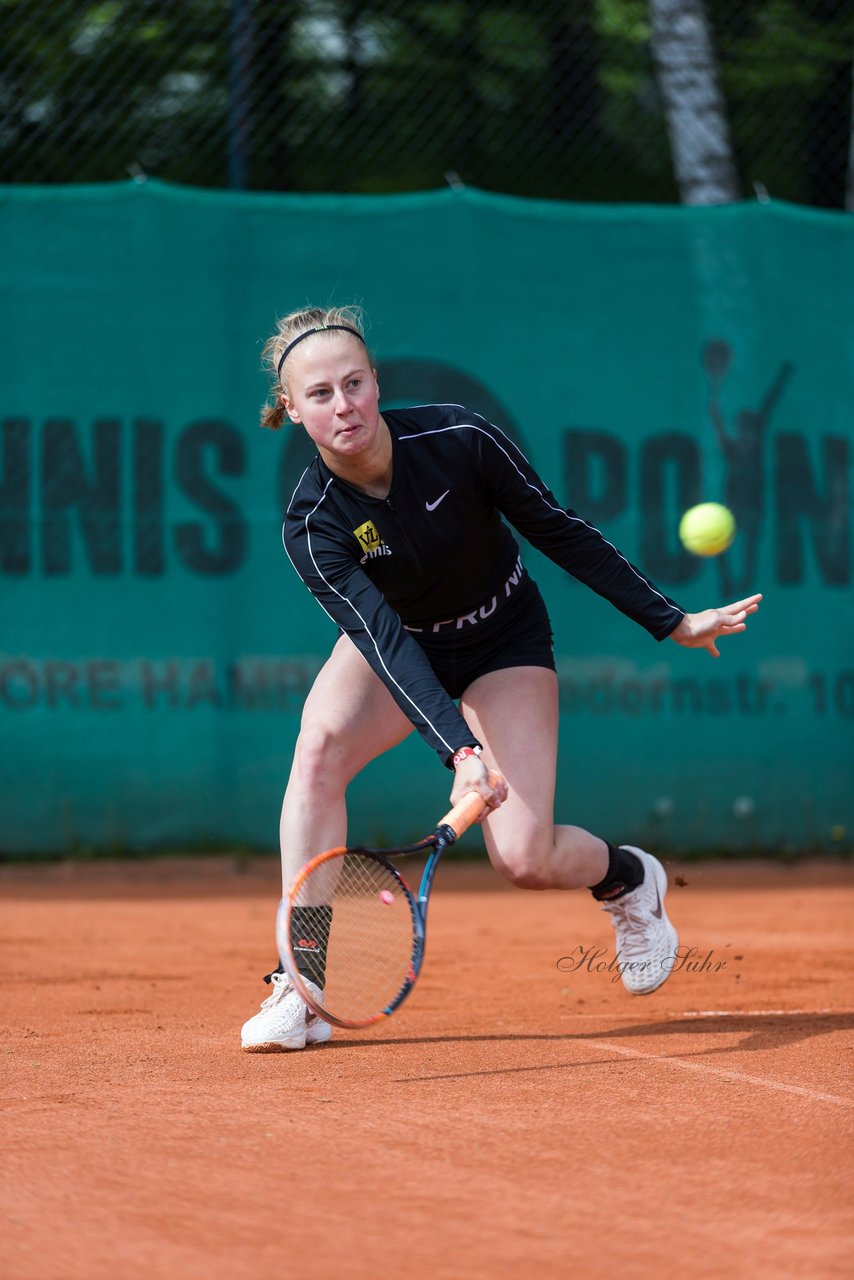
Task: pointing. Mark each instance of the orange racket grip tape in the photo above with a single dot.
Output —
(470, 809)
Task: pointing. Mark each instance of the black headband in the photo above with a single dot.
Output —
(321, 328)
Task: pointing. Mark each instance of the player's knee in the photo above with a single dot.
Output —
(528, 868)
(321, 758)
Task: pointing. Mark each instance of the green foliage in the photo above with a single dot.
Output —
(557, 99)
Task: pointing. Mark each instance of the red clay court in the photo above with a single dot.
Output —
(513, 1120)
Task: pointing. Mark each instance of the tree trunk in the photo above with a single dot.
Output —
(693, 103)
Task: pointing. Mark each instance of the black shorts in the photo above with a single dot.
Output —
(519, 636)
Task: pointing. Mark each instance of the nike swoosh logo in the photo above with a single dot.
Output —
(656, 910)
(431, 506)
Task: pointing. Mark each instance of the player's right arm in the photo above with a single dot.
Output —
(329, 568)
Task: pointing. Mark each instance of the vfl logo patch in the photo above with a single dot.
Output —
(367, 536)
(370, 541)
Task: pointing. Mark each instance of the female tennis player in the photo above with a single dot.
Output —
(396, 528)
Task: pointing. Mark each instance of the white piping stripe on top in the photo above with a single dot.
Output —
(472, 426)
(367, 630)
(291, 503)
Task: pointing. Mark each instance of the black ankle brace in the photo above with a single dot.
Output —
(625, 872)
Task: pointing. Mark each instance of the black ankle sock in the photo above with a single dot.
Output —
(309, 939)
(625, 872)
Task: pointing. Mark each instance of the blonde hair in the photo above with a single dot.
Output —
(288, 328)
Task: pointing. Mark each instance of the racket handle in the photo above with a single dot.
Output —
(471, 808)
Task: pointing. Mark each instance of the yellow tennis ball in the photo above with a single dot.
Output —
(708, 529)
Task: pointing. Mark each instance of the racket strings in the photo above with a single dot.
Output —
(367, 911)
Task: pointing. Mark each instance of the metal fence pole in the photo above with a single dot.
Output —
(239, 91)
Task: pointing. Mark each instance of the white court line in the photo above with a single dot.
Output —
(739, 1076)
(757, 1013)
(715, 1013)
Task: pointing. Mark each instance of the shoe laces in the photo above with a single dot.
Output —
(631, 922)
(281, 988)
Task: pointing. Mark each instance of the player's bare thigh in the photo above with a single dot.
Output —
(348, 719)
(514, 713)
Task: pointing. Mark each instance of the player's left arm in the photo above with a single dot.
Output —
(703, 630)
(514, 487)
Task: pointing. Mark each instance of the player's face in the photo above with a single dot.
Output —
(333, 392)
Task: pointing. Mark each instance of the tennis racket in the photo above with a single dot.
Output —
(351, 921)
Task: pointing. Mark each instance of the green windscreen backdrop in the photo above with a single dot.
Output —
(156, 643)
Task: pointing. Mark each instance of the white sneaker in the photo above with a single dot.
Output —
(283, 1021)
(646, 940)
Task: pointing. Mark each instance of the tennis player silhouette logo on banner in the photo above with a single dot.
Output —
(742, 448)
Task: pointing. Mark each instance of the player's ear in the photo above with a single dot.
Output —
(289, 409)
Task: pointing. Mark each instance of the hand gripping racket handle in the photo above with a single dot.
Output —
(469, 810)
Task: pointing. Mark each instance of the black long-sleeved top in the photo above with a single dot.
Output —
(435, 556)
